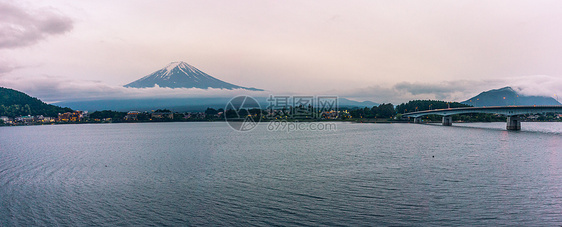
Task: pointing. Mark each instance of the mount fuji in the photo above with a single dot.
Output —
(182, 75)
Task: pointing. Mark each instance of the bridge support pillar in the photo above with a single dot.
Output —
(513, 123)
(447, 120)
(417, 120)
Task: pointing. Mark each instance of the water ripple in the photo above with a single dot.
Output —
(203, 174)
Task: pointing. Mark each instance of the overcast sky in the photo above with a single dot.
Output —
(383, 51)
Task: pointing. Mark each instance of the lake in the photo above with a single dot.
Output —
(206, 174)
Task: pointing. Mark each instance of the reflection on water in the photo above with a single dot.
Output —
(208, 174)
(539, 127)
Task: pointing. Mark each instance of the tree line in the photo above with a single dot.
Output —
(389, 111)
(14, 104)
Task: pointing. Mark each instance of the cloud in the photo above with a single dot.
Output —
(21, 27)
(540, 85)
(458, 90)
(6, 67)
(53, 89)
(446, 90)
(417, 88)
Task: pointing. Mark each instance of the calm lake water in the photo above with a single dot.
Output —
(206, 174)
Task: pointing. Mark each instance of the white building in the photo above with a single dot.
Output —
(6, 120)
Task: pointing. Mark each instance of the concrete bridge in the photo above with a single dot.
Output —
(512, 113)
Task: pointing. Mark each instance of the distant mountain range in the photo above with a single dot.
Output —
(182, 75)
(180, 104)
(14, 103)
(508, 97)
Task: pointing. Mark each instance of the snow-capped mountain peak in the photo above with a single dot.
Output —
(182, 75)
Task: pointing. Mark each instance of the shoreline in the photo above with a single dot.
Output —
(362, 121)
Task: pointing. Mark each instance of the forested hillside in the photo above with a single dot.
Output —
(14, 103)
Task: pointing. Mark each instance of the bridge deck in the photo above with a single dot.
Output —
(503, 110)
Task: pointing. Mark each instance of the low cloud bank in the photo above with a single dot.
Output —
(55, 89)
(458, 90)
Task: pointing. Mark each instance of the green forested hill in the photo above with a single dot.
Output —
(421, 105)
(14, 103)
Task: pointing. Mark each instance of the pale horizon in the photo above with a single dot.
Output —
(362, 50)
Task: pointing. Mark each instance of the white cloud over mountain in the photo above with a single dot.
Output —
(53, 89)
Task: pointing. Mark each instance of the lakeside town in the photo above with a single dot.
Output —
(17, 108)
(104, 117)
(108, 116)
